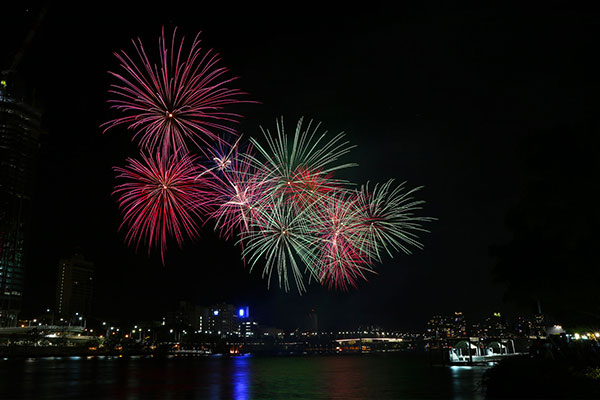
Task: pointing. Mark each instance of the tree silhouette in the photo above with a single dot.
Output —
(553, 257)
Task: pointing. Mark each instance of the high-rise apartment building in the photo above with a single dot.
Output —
(225, 319)
(221, 319)
(20, 131)
(74, 287)
(447, 326)
(189, 315)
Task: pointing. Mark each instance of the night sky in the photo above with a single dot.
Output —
(438, 96)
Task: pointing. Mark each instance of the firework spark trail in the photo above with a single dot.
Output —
(282, 238)
(338, 225)
(160, 198)
(293, 177)
(337, 233)
(389, 213)
(307, 187)
(236, 188)
(309, 152)
(219, 156)
(284, 204)
(181, 98)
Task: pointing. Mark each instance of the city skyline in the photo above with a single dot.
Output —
(412, 101)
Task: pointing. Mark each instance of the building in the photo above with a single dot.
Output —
(221, 319)
(74, 287)
(248, 328)
(20, 132)
(188, 315)
(225, 320)
(494, 326)
(530, 326)
(447, 326)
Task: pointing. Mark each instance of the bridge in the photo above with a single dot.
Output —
(18, 330)
(372, 344)
(39, 334)
(370, 340)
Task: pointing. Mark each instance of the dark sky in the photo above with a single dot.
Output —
(435, 95)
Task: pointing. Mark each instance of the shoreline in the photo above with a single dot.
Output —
(78, 352)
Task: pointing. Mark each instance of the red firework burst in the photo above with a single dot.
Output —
(339, 224)
(306, 186)
(161, 198)
(180, 98)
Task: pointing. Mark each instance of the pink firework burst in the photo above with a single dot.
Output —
(180, 98)
(236, 188)
(161, 198)
(339, 225)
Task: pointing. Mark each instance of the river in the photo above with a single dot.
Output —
(367, 376)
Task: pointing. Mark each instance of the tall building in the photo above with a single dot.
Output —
(225, 319)
(74, 287)
(530, 326)
(188, 315)
(447, 326)
(248, 328)
(221, 319)
(494, 326)
(20, 131)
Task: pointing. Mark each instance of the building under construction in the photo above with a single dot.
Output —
(20, 130)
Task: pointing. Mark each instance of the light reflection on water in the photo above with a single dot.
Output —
(240, 378)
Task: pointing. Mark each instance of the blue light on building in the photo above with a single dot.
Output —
(243, 312)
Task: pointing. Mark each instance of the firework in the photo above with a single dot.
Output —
(290, 178)
(308, 186)
(282, 238)
(338, 224)
(304, 164)
(181, 98)
(161, 198)
(306, 221)
(236, 188)
(389, 215)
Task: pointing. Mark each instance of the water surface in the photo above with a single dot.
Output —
(372, 376)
